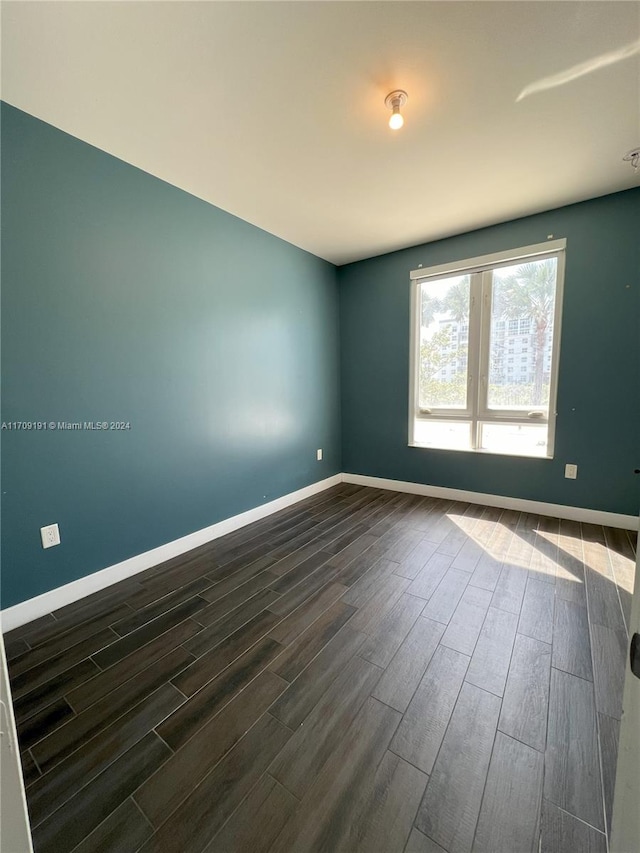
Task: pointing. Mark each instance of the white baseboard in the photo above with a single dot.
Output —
(590, 516)
(27, 611)
(33, 608)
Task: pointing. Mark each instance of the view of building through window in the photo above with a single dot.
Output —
(444, 343)
(521, 335)
(521, 338)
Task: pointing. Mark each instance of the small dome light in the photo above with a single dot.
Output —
(395, 101)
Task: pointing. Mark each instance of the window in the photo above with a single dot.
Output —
(463, 395)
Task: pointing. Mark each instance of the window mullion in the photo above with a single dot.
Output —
(473, 375)
(485, 339)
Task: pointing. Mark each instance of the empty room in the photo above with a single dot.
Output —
(320, 426)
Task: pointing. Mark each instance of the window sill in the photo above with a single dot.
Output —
(481, 451)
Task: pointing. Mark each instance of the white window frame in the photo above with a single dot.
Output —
(477, 411)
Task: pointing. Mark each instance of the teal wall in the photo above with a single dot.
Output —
(124, 298)
(598, 424)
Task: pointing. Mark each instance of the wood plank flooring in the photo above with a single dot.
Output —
(364, 671)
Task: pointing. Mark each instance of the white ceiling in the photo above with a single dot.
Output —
(274, 111)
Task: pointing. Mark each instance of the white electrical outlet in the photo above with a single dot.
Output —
(319, 454)
(50, 536)
(571, 471)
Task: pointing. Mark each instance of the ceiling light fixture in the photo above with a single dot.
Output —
(395, 101)
(633, 157)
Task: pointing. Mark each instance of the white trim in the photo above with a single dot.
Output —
(26, 611)
(474, 352)
(414, 342)
(480, 263)
(591, 516)
(555, 355)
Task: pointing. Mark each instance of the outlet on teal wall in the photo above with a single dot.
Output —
(598, 423)
(126, 299)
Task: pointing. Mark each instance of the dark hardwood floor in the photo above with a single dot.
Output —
(365, 671)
